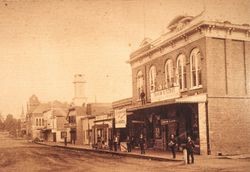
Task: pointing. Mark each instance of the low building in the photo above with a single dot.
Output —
(54, 122)
(34, 117)
(98, 122)
(74, 125)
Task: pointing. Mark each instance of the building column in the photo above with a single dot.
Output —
(202, 128)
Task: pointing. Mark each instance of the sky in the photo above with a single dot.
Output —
(43, 43)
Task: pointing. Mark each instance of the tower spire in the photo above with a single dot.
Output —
(80, 98)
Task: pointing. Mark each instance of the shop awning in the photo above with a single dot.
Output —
(200, 98)
(151, 105)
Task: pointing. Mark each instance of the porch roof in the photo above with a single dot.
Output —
(200, 98)
(151, 105)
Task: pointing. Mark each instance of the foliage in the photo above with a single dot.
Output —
(11, 125)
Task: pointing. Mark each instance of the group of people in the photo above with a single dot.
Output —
(114, 143)
(189, 147)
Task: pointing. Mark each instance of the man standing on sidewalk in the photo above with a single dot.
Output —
(172, 145)
(129, 144)
(65, 141)
(142, 142)
(115, 143)
(190, 150)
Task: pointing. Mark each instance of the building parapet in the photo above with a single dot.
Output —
(199, 25)
(122, 103)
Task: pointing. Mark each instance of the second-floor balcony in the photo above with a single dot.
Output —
(165, 94)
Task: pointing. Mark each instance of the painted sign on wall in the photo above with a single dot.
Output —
(120, 118)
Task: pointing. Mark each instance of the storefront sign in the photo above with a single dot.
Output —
(170, 93)
(120, 118)
(167, 121)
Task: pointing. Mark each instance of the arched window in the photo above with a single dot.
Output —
(181, 72)
(169, 74)
(195, 68)
(39, 121)
(152, 78)
(36, 122)
(139, 83)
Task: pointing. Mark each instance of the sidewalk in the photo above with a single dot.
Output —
(150, 154)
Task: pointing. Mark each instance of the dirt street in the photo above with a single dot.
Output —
(20, 155)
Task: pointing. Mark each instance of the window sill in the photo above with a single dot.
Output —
(183, 90)
(196, 87)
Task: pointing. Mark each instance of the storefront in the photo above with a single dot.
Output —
(102, 130)
(158, 122)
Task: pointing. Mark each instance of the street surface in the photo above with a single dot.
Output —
(20, 155)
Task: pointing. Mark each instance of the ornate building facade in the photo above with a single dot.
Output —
(196, 78)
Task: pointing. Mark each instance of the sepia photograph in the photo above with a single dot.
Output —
(125, 85)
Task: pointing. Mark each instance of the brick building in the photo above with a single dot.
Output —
(34, 117)
(196, 78)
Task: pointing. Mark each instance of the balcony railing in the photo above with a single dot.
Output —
(165, 94)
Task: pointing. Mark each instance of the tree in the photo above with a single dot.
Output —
(11, 124)
(1, 122)
(1, 125)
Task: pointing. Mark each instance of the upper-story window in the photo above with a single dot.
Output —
(72, 119)
(195, 68)
(139, 83)
(152, 78)
(181, 72)
(169, 74)
(40, 122)
(36, 121)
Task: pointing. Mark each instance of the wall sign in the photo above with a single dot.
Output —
(120, 118)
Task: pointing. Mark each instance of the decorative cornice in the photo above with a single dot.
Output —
(205, 28)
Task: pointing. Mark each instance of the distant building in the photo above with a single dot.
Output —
(54, 123)
(99, 120)
(73, 123)
(34, 117)
(45, 121)
(196, 79)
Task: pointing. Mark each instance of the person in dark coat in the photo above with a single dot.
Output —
(115, 143)
(142, 142)
(129, 144)
(190, 150)
(65, 141)
(110, 142)
(172, 145)
(142, 96)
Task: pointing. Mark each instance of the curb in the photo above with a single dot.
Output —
(148, 157)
